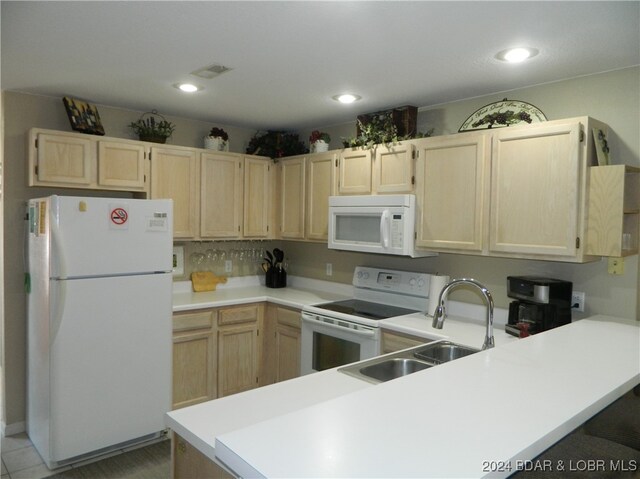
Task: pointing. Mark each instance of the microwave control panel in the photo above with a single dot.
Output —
(396, 281)
(396, 230)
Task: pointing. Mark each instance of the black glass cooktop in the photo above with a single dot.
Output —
(365, 309)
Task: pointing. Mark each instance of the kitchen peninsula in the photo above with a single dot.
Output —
(505, 404)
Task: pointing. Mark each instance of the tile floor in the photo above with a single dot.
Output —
(20, 460)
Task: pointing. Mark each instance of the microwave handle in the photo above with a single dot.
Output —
(384, 229)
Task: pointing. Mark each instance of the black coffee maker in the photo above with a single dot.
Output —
(541, 304)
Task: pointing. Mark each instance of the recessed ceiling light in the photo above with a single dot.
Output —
(516, 55)
(187, 87)
(347, 98)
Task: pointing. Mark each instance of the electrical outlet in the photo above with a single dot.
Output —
(329, 269)
(577, 301)
(228, 266)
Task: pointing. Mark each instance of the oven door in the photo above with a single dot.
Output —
(329, 342)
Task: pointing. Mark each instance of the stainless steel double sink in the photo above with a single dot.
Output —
(395, 365)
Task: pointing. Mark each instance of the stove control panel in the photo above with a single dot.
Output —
(403, 282)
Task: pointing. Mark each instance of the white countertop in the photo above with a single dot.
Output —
(508, 403)
(300, 292)
(331, 424)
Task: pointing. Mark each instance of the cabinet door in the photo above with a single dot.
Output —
(194, 361)
(174, 175)
(257, 191)
(393, 170)
(189, 463)
(121, 164)
(238, 348)
(220, 195)
(320, 185)
(237, 358)
(63, 160)
(535, 190)
(355, 172)
(287, 344)
(452, 192)
(292, 198)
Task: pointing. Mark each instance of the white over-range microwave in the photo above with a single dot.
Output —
(374, 224)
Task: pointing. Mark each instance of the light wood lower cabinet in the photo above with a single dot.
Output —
(393, 341)
(238, 348)
(281, 356)
(194, 361)
(189, 463)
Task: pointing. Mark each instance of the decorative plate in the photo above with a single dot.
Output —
(503, 113)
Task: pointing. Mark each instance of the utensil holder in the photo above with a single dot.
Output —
(275, 278)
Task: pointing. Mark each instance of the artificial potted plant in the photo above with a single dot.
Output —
(276, 144)
(148, 128)
(218, 140)
(319, 141)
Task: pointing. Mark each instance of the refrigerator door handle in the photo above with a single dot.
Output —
(58, 295)
(57, 252)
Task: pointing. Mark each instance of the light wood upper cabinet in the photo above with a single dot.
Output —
(174, 175)
(258, 180)
(355, 172)
(380, 170)
(73, 160)
(321, 183)
(453, 192)
(614, 210)
(221, 186)
(304, 187)
(536, 190)
(393, 169)
(291, 189)
(519, 192)
(121, 164)
(62, 160)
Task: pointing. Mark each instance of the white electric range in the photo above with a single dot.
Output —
(342, 332)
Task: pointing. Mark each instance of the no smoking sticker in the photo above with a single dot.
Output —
(118, 217)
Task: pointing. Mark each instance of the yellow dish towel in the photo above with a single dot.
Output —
(206, 281)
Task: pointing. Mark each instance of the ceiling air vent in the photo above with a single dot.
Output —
(211, 71)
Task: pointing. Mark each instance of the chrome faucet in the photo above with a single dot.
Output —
(440, 313)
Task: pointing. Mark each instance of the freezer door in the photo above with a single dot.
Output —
(106, 236)
(110, 361)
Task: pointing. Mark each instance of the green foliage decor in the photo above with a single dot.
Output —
(379, 130)
(276, 144)
(149, 129)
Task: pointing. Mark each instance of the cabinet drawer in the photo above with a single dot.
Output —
(289, 317)
(241, 314)
(198, 320)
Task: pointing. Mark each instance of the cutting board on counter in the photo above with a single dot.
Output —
(206, 281)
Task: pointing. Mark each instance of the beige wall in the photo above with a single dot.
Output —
(611, 97)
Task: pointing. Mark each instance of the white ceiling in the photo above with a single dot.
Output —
(290, 58)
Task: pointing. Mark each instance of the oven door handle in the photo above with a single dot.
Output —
(363, 331)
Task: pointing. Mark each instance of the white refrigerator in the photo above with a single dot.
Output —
(99, 288)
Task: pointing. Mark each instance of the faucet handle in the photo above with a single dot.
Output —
(438, 317)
